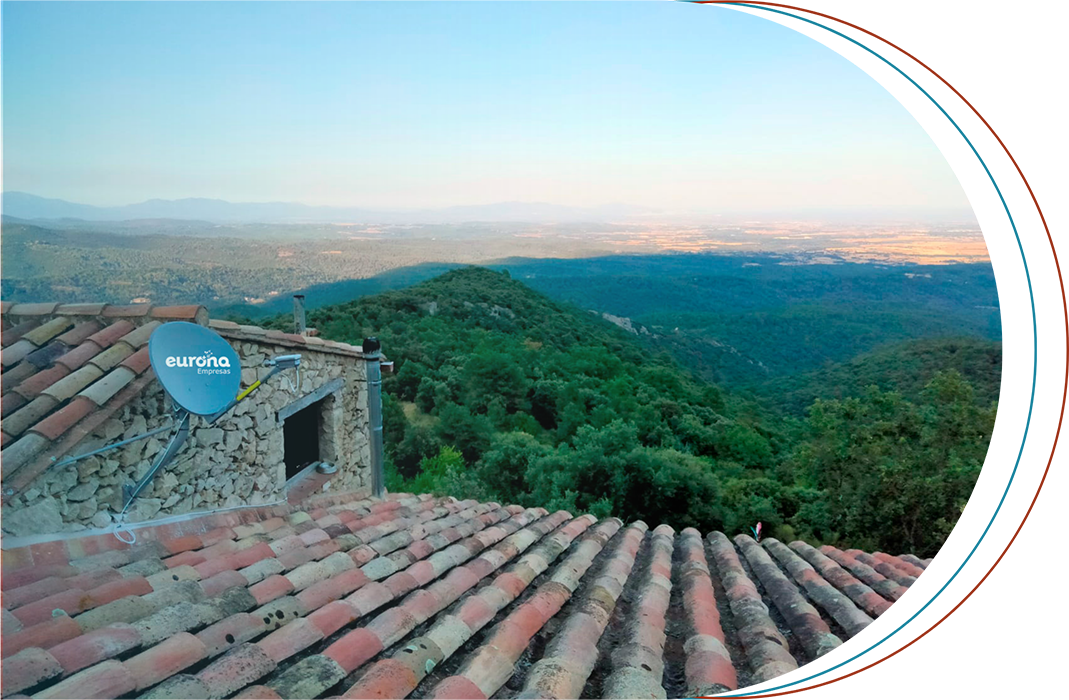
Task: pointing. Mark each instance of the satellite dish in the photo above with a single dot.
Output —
(199, 370)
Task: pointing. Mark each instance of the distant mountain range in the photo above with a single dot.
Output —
(23, 205)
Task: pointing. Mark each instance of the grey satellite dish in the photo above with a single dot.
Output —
(197, 368)
(201, 373)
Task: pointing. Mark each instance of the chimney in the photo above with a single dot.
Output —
(298, 314)
(373, 356)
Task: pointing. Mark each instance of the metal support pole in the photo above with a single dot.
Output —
(373, 356)
(108, 448)
(298, 314)
(177, 440)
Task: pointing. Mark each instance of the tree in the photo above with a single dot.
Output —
(895, 475)
(503, 468)
(446, 474)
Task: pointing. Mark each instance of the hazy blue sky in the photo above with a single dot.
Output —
(662, 104)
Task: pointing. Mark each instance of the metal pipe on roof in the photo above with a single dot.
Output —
(298, 314)
(373, 356)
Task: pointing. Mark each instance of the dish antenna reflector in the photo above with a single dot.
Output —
(201, 373)
(199, 370)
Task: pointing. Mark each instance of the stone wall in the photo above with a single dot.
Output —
(237, 461)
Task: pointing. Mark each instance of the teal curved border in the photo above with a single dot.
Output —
(1013, 283)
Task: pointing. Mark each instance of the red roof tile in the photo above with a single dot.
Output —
(85, 650)
(192, 312)
(108, 335)
(71, 601)
(291, 337)
(40, 381)
(333, 619)
(45, 635)
(16, 332)
(110, 679)
(167, 658)
(27, 669)
(137, 362)
(79, 355)
(80, 332)
(11, 402)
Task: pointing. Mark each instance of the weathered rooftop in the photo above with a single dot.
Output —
(68, 367)
(426, 597)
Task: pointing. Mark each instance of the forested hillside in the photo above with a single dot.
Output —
(737, 319)
(503, 393)
(743, 319)
(906, 367)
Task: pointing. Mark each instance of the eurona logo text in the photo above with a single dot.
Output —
(204, 364)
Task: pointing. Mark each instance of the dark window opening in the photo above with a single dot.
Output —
(300, 438)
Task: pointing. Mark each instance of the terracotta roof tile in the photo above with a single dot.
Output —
(41, 309)
(79, 355)
(140, 335)
(112, 356)
(23, 418)
(28, 668)
(191, 312)
(80, 332)
(108, 335)
(127, 311)
(34, 385)
(65, 418)
(47, 331)
(16, 352)
(162, 661)
(79, 309)
(16, 332)
(85, 650)
(11, 402)
(73, 383)
(476, 565)
(21, 451)
(13, 376)
(110, 679)
(138, 362)
(45, 635)
(104, 389)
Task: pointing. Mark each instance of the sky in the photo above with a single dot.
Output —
(677, 107)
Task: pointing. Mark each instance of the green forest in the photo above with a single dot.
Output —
(502, 393)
